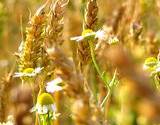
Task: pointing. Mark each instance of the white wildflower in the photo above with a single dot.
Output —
(89, 34)
(77, 38)
(29, 72)
(45, 105)
(53, 86)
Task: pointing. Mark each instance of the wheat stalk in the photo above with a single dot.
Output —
(31, 51)
(54, 29)
(89, 23)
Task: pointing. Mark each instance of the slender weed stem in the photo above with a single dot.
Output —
(100, 73)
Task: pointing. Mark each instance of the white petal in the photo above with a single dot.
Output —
(158, 69)
(100, 34)
(55, 81)
(38, 70)
(53, 106)
(33, 109)
(17, 74)
(45, 109)
(24, 74)
(34, 73)
(41, 109)
(53, 88)
(30, 74)
(77, 38)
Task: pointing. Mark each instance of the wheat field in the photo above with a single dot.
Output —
(79, 62)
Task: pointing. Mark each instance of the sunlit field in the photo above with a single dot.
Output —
(79, 62)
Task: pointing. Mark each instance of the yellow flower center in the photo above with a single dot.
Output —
(45, 99)
(87, 31)
(28, 70)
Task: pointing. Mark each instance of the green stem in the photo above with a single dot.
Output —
(44, 120)
(106, 98)
(48, 119)
(99, 72)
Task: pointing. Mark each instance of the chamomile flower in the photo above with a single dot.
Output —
(53, 86)
(45, 105)
(28, 72)
(88, 34)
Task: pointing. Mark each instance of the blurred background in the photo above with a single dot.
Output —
(136, 23)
